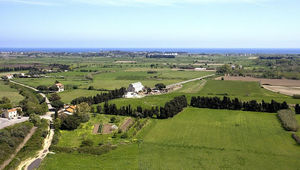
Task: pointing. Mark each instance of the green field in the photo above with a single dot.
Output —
(198, 139)
(75, 137)
(12, 94)
(245, 91)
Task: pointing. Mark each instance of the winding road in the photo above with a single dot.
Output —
(34, 162)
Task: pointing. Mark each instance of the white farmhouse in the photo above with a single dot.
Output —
(60, 87)
(135, 87)
(10, 113)
(9, 76)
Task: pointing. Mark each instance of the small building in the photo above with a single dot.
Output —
(69, 110)
(10, 113)
(60, 87)
(9, 76)
(135, 87)
(200, 69)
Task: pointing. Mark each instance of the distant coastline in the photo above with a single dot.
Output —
(187, 50)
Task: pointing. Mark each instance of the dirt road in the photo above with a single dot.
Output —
(5, 163)
(187, 81)
(34, 162)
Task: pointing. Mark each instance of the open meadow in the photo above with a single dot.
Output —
(12, 94)
(198, 139)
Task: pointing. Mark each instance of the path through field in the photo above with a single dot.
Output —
(33, 163)
(5, 163)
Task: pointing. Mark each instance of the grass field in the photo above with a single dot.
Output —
(12, 94)
(243, 90)
(198, 139)
(68, 95)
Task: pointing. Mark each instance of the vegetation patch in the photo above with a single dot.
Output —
(288, 120)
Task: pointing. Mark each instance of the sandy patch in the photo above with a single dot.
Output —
(290, 91)
(96, 128)
(107, 129)
(125, 62)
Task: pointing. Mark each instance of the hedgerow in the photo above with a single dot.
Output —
(288, 120)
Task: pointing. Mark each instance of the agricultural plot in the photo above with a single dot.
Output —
(12, 94)
(244, 90)
(86, 131)
(198, 139)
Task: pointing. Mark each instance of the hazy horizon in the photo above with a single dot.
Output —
(149, 24)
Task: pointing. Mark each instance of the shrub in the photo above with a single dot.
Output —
(87, 142)
(124, 135)
(296, 138)
(62, 149)
(296, 96)
(288, 120)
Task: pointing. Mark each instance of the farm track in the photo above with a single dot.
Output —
(187, 81)
(126, 124)
(33, 163)
(28, 136)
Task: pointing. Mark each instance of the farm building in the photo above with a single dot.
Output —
(8, 76)
(10, 113)
(69, 110)
(135, 87)
(60, 87)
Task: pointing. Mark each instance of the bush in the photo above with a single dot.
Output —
(87, 142)
(296, 138)
(62, 149)
(288, 120)
(296, 96)
(124, 135)
(96, 150)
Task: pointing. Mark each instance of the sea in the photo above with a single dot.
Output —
(187, 50)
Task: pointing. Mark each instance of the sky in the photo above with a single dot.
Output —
(150, 23)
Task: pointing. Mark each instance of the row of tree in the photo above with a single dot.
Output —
(236, 104)
(170, 109)
(102, 97)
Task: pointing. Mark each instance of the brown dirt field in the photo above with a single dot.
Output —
(95, 130)
(106, 129)
(126, 124)
(125, 62)
(272, 82)
(290, 91)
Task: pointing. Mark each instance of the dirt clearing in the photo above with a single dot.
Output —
(96, 127)
(126, 124)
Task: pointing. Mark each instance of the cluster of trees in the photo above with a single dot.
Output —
(5, 103)
(11, 137)
(159, 56)
(9, 69)
(297, 109)
(44, 88)
(99, 98)
(33, 102)
(236, 104)
(170, 109)
(56, 102)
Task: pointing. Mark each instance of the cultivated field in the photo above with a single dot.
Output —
(283, 86)
(198, 139)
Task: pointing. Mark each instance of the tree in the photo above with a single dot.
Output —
(225, 69)
(53, 88)
(35, 119)
(297, 109)
(5, 100)
(57, 123)
(70, 123)
(99, 109)
(87, 143)
(160, 86)
(54, 97)
(42, 88)
(57, 104)
(91, 88)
